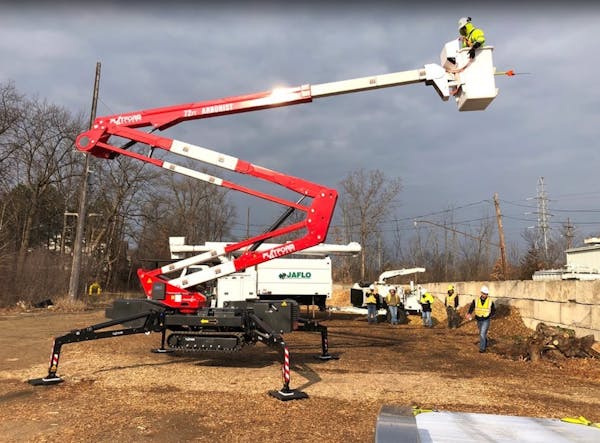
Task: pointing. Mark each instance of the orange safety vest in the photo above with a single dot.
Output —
(484, 309)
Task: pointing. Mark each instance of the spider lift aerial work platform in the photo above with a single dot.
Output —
(172, 302)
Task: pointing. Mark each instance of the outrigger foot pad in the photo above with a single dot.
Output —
(288, 394)
(326, 357)
(45, 381)
(162, 351)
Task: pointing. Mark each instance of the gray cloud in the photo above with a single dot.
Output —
(542, 124)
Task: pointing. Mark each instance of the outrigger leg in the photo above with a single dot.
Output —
(311, 326)
(151, 323)
(285, 393)
(162, 349)
(267, 335)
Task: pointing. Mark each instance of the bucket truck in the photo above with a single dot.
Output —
(304, 277)
(410, 296)
(171, 304)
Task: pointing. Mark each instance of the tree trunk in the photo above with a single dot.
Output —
(556, 342)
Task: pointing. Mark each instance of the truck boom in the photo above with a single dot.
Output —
(97, 141)
(170, 304)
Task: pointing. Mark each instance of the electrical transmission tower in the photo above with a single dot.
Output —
(543, 215)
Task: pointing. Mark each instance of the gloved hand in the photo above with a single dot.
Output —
(473, 48)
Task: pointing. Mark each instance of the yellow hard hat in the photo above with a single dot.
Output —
(450, 287)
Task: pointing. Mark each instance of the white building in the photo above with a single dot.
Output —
(583, 263)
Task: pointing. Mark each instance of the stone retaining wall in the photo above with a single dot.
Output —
(571, 304)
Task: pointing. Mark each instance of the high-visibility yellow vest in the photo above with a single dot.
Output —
(473, 35)
(371, 300)
(427, 298)
(450, 299)
(483, 309)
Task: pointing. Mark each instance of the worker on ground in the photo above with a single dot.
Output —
(470, 36)
(451, 303)
(372, 302)
(426, 302)
(484, 310)
(393, 301)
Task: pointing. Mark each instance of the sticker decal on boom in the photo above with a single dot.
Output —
(226, 107)
(279, 252)
(126, 119)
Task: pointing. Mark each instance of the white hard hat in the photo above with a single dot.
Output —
(463, 21)
(392, 289)
(485, 290)
(372, 287)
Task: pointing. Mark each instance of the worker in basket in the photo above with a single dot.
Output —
(470, 36)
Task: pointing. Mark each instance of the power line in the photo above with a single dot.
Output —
(553, 209)
(577, 210)
(517, 204)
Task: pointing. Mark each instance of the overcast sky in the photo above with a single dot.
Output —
(543, 124)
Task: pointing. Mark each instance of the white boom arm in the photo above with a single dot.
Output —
(470, 81)
(178, 248)
(431, 74)
(396, 272)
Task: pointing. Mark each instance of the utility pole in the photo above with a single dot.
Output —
(248, 223)
(379, 252)
(569, 233)
(78, 246)
(501, 236)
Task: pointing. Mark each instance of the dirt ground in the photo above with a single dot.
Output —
(116, 390)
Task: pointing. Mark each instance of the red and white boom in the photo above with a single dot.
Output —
(100, 142)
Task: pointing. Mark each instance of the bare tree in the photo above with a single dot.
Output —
(452, 254)
(119, 190)
(42, 148)
(37, 161)
(478, 252)
(533, 260)
(182, 206)
(564, 238)
(365, 203)
(11, 113)
(536, 258)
